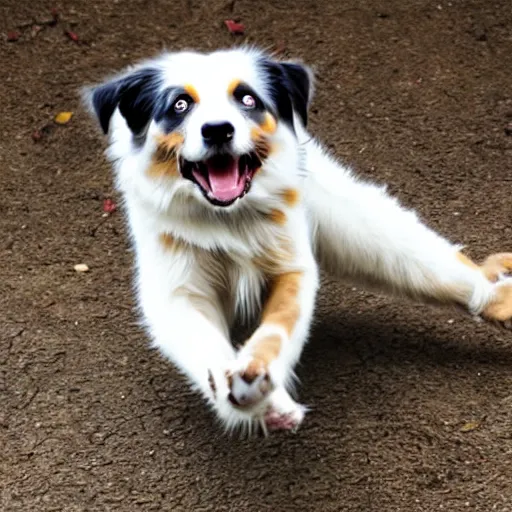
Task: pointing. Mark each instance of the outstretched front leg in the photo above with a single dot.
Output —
(364, 235)
(263, 370)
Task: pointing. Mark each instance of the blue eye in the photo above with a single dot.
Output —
(181, 106)
(248, 101)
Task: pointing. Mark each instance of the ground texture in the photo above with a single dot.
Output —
(411, 406)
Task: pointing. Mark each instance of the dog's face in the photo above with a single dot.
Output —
(209, 123)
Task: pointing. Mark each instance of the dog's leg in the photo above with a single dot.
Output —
(264, 366)
(187, 328)
(186, 320)
(363, 234)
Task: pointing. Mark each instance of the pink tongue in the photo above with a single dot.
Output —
(225, 184)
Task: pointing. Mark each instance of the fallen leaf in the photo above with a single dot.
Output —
(81, 267)
(234, 27)
(63, 117)
(109, 206)
(13, 36)
(72, 35)
(469, 426)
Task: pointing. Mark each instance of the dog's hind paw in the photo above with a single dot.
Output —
(500, 308)
(497, 266)
(498, 269)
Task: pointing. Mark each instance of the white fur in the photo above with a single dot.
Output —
(353, 228)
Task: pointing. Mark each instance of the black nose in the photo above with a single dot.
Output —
(215, 134)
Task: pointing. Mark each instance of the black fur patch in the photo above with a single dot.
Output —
(136, 96)
(257, 114)
(290, 86)
(165, 112)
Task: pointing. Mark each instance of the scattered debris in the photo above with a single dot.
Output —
(63, 117)
(72, 35)
(234, 27)
(81, 267)
(44, 131)
(13, 36)
(109, 206)
(469, 426)
(55, 14)
(35, 25)
(34, 31)
(37, 135)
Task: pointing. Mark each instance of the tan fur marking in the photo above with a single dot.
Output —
(170, 243)
(290, 196)
(164, 161)
(192, 92)
(274, 261)
(163, 169)
(170, 142)
(282, 307)
(256, 133)
(264, 352)
(501, 307)
(233, 85)
(464, 259)
(277, 217)
(269, 124)
(262, 146)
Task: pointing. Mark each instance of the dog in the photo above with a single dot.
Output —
(233, 207)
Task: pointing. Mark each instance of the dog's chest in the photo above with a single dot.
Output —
(239, 282)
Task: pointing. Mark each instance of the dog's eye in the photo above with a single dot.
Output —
(181, 105)
(248, 101)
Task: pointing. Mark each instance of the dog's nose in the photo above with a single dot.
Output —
(215, 134)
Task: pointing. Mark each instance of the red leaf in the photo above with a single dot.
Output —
(109, 206)
(72, 35)
(13, 36)
(234, 27)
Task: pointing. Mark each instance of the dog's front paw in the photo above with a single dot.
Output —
(249, 383)
(283, 412)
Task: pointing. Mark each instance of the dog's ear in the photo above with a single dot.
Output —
(135, 94)
(291, 86)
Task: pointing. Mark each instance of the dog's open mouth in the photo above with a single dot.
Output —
(223, 178)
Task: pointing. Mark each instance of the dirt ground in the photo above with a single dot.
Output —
(411, 405)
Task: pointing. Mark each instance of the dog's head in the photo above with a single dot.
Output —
(209, 124)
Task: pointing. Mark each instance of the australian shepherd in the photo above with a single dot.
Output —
(233, 207)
